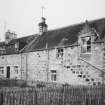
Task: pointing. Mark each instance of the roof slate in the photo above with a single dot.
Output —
(65, 36)
(9, 48)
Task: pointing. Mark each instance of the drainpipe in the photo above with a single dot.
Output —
(102, 87)
(47, 64)
(26, 68)
(21, 64)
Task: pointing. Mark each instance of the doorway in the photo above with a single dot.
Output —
(8, 71)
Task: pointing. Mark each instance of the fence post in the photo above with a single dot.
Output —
(36, 97)
(1, 97)
(63, 95)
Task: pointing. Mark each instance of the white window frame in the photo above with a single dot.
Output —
(53, 75)
(1, 70)
(85, 46)
(16, 46)
(16, 69)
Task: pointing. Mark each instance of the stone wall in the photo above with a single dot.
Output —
(11, 61)
(37, 65)
(73, 68)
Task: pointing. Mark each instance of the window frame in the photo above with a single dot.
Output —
(16, 69)
(86, 45)
(59, 53)
(1, 70)
(53, 75)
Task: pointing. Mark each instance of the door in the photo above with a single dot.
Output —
(8, 71)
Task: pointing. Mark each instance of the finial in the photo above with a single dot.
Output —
(42, 7)
(42, 24)
(43, 10)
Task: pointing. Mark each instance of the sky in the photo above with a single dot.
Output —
(23, 16)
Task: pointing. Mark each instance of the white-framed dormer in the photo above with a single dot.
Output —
(86, 44)
(86, 38)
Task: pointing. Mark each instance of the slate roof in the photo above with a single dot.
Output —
(66, 36)
(9, 48)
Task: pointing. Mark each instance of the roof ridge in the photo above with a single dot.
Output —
(76, 24)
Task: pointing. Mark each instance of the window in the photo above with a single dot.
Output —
(16, 69)
(53, 75)
(16, 46)
(86, 44)
(59, 53)
(1, 70)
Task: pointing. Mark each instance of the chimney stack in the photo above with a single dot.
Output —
(9, 36)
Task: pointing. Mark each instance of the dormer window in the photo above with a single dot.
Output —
(16, 46)
(86, 44)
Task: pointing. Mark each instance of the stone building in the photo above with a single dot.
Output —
(10, 56)
(74, 54)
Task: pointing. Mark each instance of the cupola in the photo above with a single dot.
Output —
(42, 26)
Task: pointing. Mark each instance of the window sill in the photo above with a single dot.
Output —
(53, 81)
(88, 53)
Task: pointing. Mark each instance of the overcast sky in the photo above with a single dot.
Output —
(23, 16)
